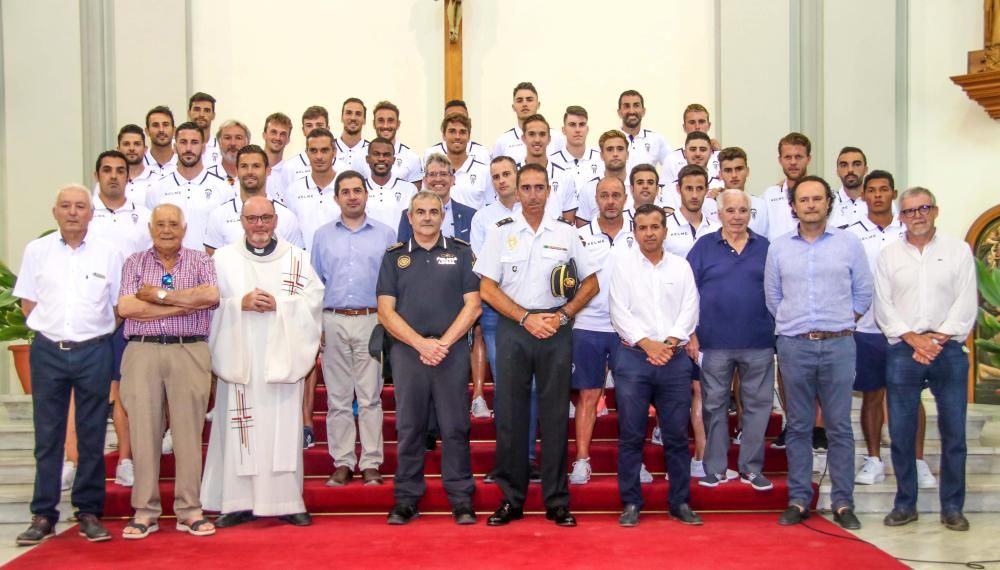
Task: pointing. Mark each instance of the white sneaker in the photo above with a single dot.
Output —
(656, 439)
(738, 438)
(925, 479)
(873, 471)
(730, 475)
(572, 410)
(209, 415)
(479, 408)
(68, 475)
(125, 473)
(645, 477)
(819, 462)
(609, 380)
(697, 468)
(168, 443)
(581, 472)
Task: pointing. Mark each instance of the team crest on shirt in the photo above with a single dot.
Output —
(208, 193)
(472, 177)
(647, 147)
(399, 196)
(399, 162)
(403, 262)
(593, 168)
(135, 218)
(753, 213)
(555, 186)
(629, 241)
(513, 268)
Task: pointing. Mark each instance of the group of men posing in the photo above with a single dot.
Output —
(547, 262)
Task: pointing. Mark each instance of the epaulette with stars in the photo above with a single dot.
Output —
(504, 222)
(394, 246)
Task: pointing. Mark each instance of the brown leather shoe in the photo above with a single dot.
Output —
(371, 476)
(340, 477)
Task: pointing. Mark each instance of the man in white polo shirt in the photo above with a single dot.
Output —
(132, 145)
(315, 117)
(231, 137)
(526, 104)
(406, 164)
(852, 166)
(585, 163)
(191, 186)
(563, 194)
(277, 133)
(614, 151)
(312, 197)
(734, 171)
(645, 146)
(388, 195)
(351, 145)
(472, 178)
(476, 150)
(794, 154)
(696, 118)
(201, 111)
(160, 158)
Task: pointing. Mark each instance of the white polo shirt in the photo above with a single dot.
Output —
(159, 170)
(300, 167)
(510, 144)
(646, 147)
(277, 181)
(653, 301)
(312, 205)
(224, 225)
(406, 166)
(603, 249)
(670, 198)
(681, 235)
(874, 239)
(75, 290)
(211, 154)
(485, 220)
(675, 162)
(584, 168)
(779, 212)
(386, 203)
(196, 198)
(846, 211)
(587, 199)
(474, 149)
(473, 186)
(351, 154)
(127, 228)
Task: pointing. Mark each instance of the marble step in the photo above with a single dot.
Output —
(20, 435)
(17, 407)
(974, 422)
(15, 501)
(17, 466)
(982, 495)
(980, 460)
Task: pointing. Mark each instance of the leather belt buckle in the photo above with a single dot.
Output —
(816, 336)
(63, 345)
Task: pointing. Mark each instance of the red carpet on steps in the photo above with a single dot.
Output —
(743, 540)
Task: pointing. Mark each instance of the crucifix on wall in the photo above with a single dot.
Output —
(452, 49)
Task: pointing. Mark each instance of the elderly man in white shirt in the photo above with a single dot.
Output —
(926, 304)
(654, 309)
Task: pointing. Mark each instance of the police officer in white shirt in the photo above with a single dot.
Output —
(734, 171)
(351, 146)
(476, 150)
(201, 111)
(594, 339)
(794, 154)
(614, 157)
(132, 144)
(585, 163)
(388, 195)
(191, 186)
(695, 118)
(314, 117)
(224, 225)
(563, 196)
(68, 286)
(313, 197)
(277, 133)
(472, 177)
(645, 146)
(534, 339)
(654, 308)
(526, 104)
(160, 158)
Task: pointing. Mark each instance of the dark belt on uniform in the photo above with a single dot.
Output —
(352, 312)
(75, 345)
(166, 339)
(823, 335)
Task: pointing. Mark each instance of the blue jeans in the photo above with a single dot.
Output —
(824, 370)
(946, 377)
(488, 323)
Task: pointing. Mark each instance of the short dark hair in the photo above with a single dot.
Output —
(347, 175)
(131, 129)
(386, 105)
(252, 149)
(651, 209)
(880, 175)
(531, 167)
(456, 103)
(811, 178)
(189, 126)
(320, 132)
(631, 93)
(504, 158)
(575, 110)
(697, 135)
(796, 139)
(202, 97)
(112, 154)
(381, 140)
(848, 149)
(315, 112)
(645, 167)
(364, 110)
(160, 110)
(733, 153)
(464, 120)
(536, 118)
(692, 170)
(524, 85)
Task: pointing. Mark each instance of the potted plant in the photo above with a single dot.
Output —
(13, 327)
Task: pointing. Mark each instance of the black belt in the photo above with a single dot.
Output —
(74, 345)
(824, 335)
(166, 339)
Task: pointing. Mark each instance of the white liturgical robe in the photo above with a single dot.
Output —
(254, 457)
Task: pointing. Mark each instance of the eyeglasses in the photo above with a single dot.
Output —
(266, 218)
(437, 174)
(912, 212)
(167, 282)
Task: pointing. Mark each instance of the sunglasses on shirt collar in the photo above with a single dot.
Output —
(168, 281)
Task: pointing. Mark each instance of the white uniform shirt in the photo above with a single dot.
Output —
(75, 290)
(681, 235)
(932, 290)
(277, 181)
(156, 169)
(675, 162)
(312, 205)
(351, 155)
(584, 168)
(874, 239)
(647, 147)
(779, 212)
(653, 301)
(521, 260)
(224, 225)
(603, 250)
(473, 186)
(847, 211)
(196, 198)
(300, 167)
(510, 144)
(670, 198)
(386, 203)
(485, 219)
(474, 149)
(126, 229)
(587, 199)
(211, 155)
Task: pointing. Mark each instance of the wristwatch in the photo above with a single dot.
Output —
(563, 318)
(161, 295)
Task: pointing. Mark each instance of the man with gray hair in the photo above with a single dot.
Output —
(439, 177)
(736, 334)
(231, 137)
(69, 290)
(925, 286)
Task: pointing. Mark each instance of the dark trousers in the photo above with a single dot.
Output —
(55, 373)
(446, 388)
(521, 356)
(637, 385)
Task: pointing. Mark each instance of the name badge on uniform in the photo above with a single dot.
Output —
(447, 259)
(556, 247)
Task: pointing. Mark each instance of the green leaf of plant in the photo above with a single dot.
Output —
(988, 345)
(989, 284)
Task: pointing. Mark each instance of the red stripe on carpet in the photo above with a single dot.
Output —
(747, 541)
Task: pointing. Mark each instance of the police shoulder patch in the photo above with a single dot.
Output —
(504, 222)
(395, 246)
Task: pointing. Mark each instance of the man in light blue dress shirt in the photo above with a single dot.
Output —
(817, 284)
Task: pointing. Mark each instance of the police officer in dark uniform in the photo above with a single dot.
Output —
(428, 300)
(534, 339)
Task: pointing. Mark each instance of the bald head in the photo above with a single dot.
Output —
(610, 198)
(259, 220)
(258, 205)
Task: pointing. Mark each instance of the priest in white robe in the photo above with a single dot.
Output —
(264, 339)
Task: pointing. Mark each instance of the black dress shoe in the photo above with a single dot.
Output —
(629, 517)
(464, 514)
(955, 521)
(685, 515)
(561, 516)
(793, 515)
(505, 514)
(534, 473)
(297, 519)
(431, 442)
(40, 529)
(91, 528)
(846, 518)
(234, 518)
(899, 518)
(402, 514)
(490, 477)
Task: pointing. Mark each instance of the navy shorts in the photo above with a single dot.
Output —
(871, 361)
(118, 343)
(593, 355)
